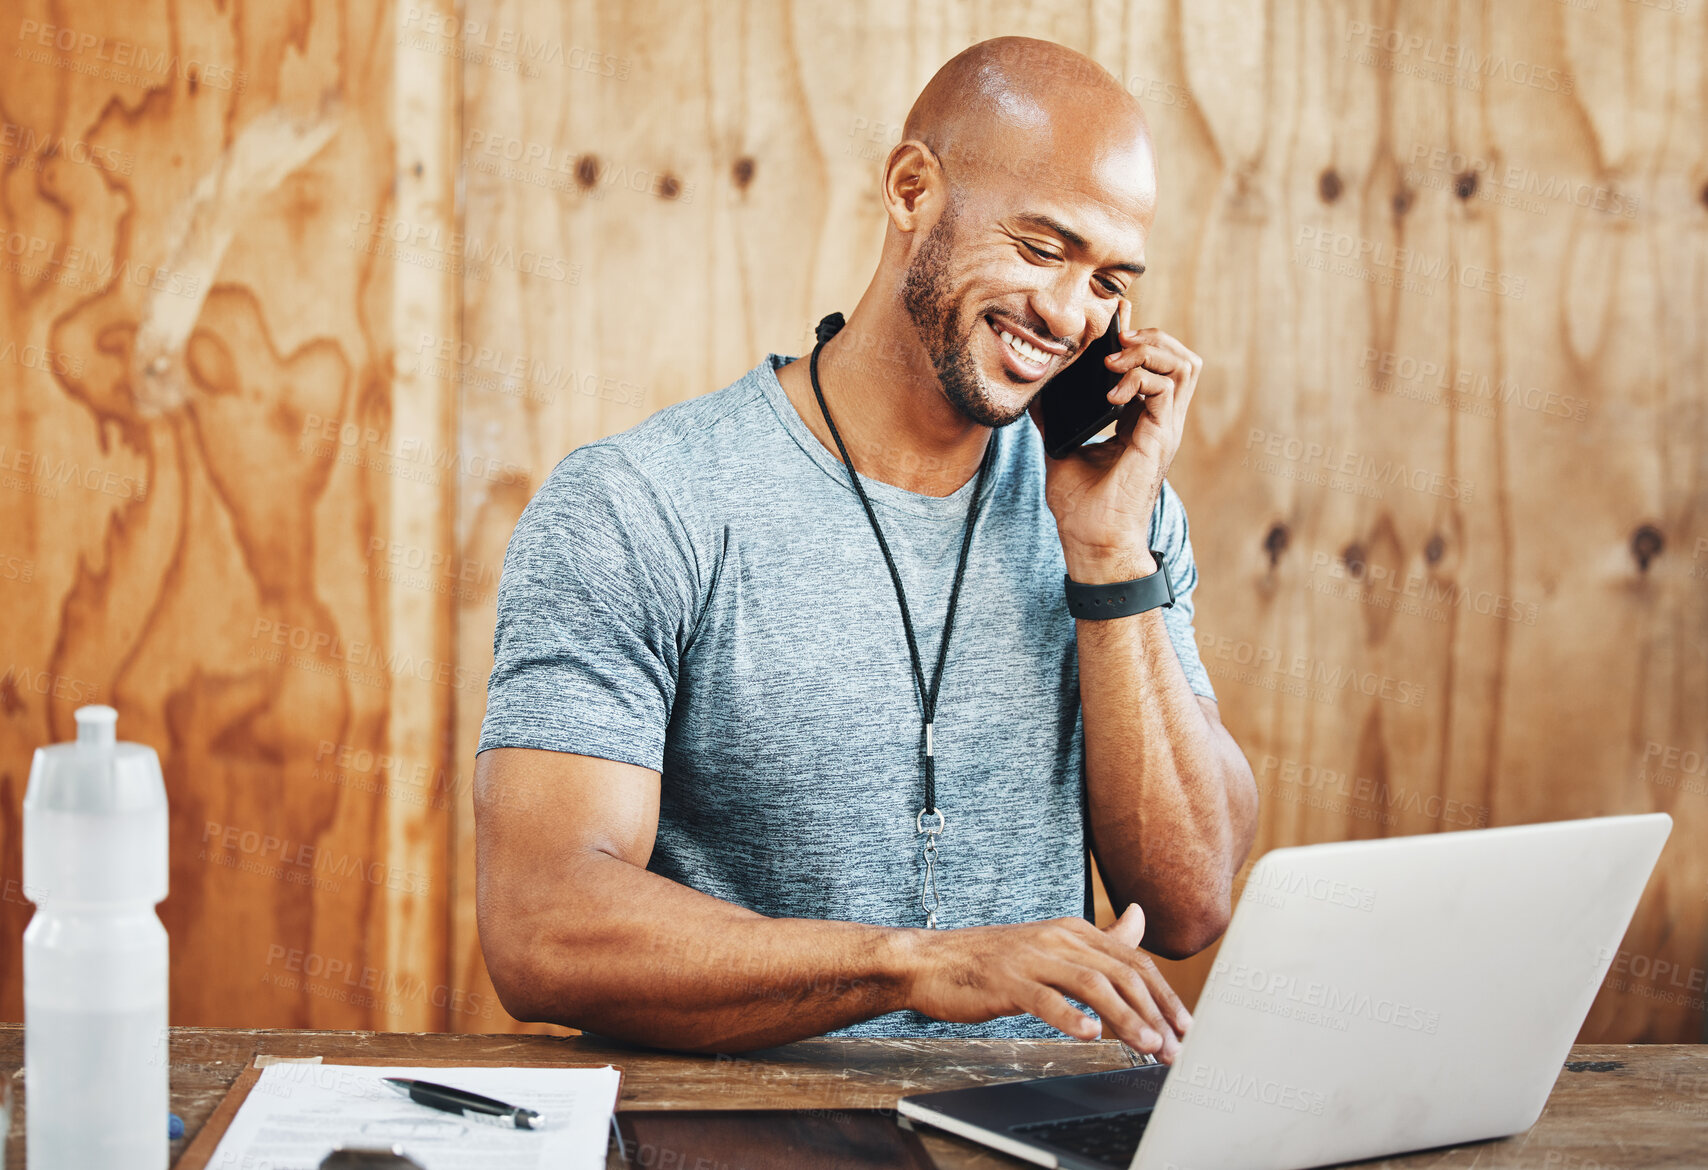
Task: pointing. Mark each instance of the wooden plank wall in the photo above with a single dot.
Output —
(208, 464)
(1512, 626)
(1447, 265)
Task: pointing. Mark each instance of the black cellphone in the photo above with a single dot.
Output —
(1076, 401)
(369, 1158)
(767, 1139)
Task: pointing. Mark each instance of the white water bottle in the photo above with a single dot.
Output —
(95, 839)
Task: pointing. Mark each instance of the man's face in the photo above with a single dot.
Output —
(1049, 272)
(936, 308)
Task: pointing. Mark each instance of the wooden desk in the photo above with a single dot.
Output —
(1614, 1106)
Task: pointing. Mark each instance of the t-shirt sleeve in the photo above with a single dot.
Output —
(1171, 537)
(594, 604)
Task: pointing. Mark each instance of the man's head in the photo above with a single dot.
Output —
(1019, 199)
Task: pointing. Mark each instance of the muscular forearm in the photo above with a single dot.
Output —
(576, 931)
(635, 956)
(1172, 801)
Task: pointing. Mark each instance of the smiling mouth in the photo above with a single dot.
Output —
(1025, 361)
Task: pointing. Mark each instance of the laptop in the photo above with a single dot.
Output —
(1369, 998)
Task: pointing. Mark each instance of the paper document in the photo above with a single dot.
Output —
(297, 1113)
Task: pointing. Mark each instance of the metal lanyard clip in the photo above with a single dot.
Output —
(929, 899)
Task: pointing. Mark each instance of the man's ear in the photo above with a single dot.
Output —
(915, 189)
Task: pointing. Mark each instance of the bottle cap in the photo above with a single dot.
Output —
(95, 820)
(96, 726)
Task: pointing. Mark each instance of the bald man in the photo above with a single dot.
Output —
(710, 814)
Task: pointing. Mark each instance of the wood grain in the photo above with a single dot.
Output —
(1631, 1106)
(1447, 472)
(214, 565)
(1438, 604)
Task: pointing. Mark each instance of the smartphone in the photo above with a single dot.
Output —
(767, 1139)
(369, 1158)
(1076, 401)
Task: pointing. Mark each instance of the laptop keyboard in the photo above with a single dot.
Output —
(1106, 1137)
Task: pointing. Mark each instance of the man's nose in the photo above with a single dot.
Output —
(1061, 316)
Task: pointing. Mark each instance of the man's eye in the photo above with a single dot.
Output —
(1108, 285)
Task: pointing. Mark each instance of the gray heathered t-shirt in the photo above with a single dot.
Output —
(702, 595)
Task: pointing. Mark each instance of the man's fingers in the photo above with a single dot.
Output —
(1168, 1003)
(1149, 355)
(1110, 961)
(1156, 989)
(1094, 988)
(1151, 384)
(1183, 399)
(1142, 994)
(1162, 339)
(1052, 1007)
(1130, 926)
(1166, 999)
(1139, 1024)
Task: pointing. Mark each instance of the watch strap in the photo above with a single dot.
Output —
(1116, 599)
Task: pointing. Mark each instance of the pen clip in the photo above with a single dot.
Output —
(465, 1103)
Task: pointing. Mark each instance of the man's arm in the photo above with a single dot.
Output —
(1173, 804)
(576, 931)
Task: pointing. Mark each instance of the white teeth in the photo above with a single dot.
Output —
(1025, 348)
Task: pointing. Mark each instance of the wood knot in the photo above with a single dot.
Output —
(1465, 184)
(10, 701)
(1353, 555)
(742, 171)
(586, 171)
(1435, 549)
(1275, 542)
(1329, 185)
(1403, 200)
(1646, 545)
(669, 187)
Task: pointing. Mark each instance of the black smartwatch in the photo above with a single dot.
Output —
(1120, 598)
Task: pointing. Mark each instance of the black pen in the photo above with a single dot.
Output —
(449, 1100)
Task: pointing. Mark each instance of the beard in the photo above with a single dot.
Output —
(936, 313)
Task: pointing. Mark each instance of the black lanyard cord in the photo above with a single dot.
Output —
(827, 329)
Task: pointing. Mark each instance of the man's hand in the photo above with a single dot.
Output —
(1103, 494)
(978, 973)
